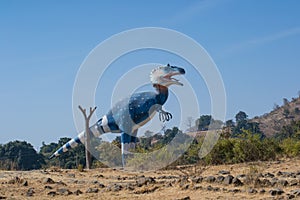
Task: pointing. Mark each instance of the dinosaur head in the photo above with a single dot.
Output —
(162, 75)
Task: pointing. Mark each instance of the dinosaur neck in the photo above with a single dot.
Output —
(162, 93)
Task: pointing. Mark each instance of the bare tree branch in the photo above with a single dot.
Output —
(87, 134)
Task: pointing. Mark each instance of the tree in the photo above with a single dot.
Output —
(88, 155)
(229, 123)
(203, 122)
(276, 106)
(240, 117)
(189, 122)
(297, 111)
(286, 112)
(20, 155)
(285, 101)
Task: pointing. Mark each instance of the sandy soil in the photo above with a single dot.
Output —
(185, 182)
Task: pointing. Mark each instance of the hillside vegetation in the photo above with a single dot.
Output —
(273, 123)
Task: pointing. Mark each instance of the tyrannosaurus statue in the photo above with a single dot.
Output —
(129, 114)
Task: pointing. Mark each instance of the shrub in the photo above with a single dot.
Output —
(290, 147)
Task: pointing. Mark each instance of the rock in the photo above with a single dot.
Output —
(294, 182)
(269, 175)
(99, 176)
(197, 187)
(185, 198)
(2, 197)
(61, 183)
(48, 187)
(47, 181)
(224, 172)
(129, 186)
(63, 191)
(290, 196)
(30, 192)
(228, 180)
(24, 183)
(146, 190)
(100, 185)
(210, 188)
(264, 183)
(274, 181)
(296, 192)
(197, 179)
(210, 179)
(185, 186)
(78, 192)
(220, 179)
(71, 175)
(236, 182)
(282, 182)
(234, 190)
(251, 191)
(241, 176)
(276, 191)
(167, 177)
(262, 191)
(14, 180)
(92, 190)
(114, 187)
(279, 173)
(169, 184)
(286, 174)
(144, 181)
(51, 193)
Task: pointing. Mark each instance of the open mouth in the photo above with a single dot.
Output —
(170, 78)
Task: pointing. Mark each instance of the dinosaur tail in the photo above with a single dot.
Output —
(95, 131)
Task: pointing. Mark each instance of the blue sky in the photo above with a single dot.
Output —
(255, 45)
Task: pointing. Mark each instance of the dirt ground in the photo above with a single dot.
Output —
(260, 180)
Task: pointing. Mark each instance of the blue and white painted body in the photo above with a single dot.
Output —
(129, 114)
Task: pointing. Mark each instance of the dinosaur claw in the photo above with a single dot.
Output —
(164, 116)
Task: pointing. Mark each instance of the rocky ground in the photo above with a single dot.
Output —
(260, 180)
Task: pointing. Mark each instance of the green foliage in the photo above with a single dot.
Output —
(290, 131)
(171, 146)
(68, 160)
(240, 117)
(206, 122)
(222, 152)
(252, 176)
(80, 168)
(248, 147)
(243, 124)
(203, 122)
(291, 147)
(109, 154)
(19, 155)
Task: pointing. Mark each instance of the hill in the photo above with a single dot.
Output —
(272, 123)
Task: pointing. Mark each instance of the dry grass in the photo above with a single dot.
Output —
(74, 180)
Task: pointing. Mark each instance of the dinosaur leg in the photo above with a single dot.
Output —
(128, 142)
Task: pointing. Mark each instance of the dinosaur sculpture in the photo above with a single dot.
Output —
(133, 112)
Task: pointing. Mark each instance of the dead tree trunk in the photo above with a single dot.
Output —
(88, 157)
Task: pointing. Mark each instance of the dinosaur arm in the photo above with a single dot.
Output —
(164, 115)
